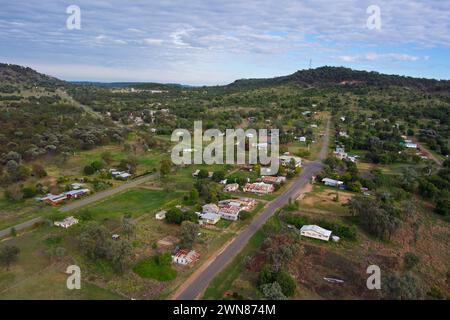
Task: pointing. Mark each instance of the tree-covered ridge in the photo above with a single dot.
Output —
(15, 75)
(39, 118)
(326, 76)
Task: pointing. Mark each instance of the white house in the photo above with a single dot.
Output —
(230, 211)
(246, 204)
(76, 186)
(259, 187)
(411, 145)
(210, 208)
(316, 232)
(231, 187)
(286, 160)
(185, 257)
(120, 174)
(266, 171)
(66, 223)
(75, 194)
(209, 217)
(340, 153)
(332, 182)
(115, 236)
(302, 139)
(161, 215)
(273, 179)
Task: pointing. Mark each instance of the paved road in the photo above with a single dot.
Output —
(107, 193)
(199, 284)
(21, 226)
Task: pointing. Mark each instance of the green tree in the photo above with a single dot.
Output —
(165, 167)
(29, 192)
(273, 291)
(97, 165)
(188, 233)
(194, 195)
(443, 207)
(88, 170)
(404, 287)
(128, 226)
(13, 193)
(203, 174)
(175, 216)
(218, 176)
(120, 254)
(410, 260)
(38, 171)
(286, 282)
(94, 240)
(8, 255)
(354, 186)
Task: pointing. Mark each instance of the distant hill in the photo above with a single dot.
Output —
(136, 85)
(14, 75)
(340, 76)
(17, 75)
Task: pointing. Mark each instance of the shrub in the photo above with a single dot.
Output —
(97, 165)
(284, 280)
(29, 192)
(88, 170)
(410, 260)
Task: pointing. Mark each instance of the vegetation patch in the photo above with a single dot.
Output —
(156, 267)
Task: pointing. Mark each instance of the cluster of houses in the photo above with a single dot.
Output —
(57, 199)
(120, 175)
(226, 209)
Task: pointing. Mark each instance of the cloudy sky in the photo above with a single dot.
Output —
(215, 42)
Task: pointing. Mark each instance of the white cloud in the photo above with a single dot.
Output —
(151, 41)
(378, 57)
(135, 30)
(255, 37)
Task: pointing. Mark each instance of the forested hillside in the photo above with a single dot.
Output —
(331, 76)
(39, 118)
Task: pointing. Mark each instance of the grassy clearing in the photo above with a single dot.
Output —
(135, 202)
(51, 285)
(150, 268)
